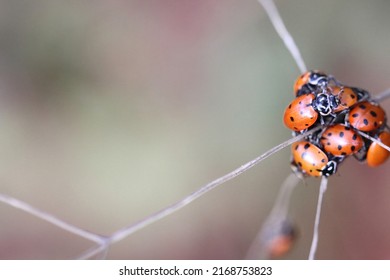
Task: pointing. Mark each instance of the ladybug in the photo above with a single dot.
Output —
(280, 239)
(362, 94)
(346, 97)
(341, 140)
(376, 155)
(310, 81)
(303, 111)
(366, 116)
(311, 160)
(300, 114)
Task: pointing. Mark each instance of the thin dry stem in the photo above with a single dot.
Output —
(374, 140)
(16, 203)
(276, 19)
(382, 96)
(314, 243)
(124, 232)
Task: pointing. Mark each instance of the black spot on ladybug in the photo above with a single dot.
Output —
(365, 121)
(343, 153)
(353, 148)
(372, 113)
(375, 124)
(339, 147)
(323, 160)
(352, 96)
(300, 112)
(307, 145)
(355, 115)
(362, 106)
(300, 164)
(292, 119)
(347, 128)
(354, 136)
(329, 134)
(296, 147)
(341, 134)
(328, 143)
(289, 106)
(300, 102)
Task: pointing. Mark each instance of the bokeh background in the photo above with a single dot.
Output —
(112, 110)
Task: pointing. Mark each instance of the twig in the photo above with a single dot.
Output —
(382, 96)
(124, 232)
(314, 243)
(273, 14)
(374, 140)
(51, 219)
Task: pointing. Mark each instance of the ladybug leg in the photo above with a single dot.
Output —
(362, 153)
(297, 171)
(362, 94)
(332, 79)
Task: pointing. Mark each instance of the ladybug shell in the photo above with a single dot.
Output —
(300, 114)
(309, 158)
(366, 116)
(376, 155)
(340, 140)
(279, 238)
(346, 96)
(280, 245)
(308, 81)
(301, 81)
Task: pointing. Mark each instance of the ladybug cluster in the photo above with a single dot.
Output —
(340, 112)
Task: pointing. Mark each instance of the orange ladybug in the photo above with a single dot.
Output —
(309, 81)
(341, 140)
(311, 160)
(376, 155)
(280, 240)
(366, 116)
(346, 97)
(300, 114)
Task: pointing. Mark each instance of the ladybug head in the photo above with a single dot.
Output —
(330, 168)
(325, 103)
(318, 78)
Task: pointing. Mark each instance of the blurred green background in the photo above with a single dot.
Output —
(112, 110)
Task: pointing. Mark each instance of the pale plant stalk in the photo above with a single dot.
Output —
(124, 232)
(382, 96)
(374, 140)
(314, 243)
(276, 19)
(16, 203)
(104, 241)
